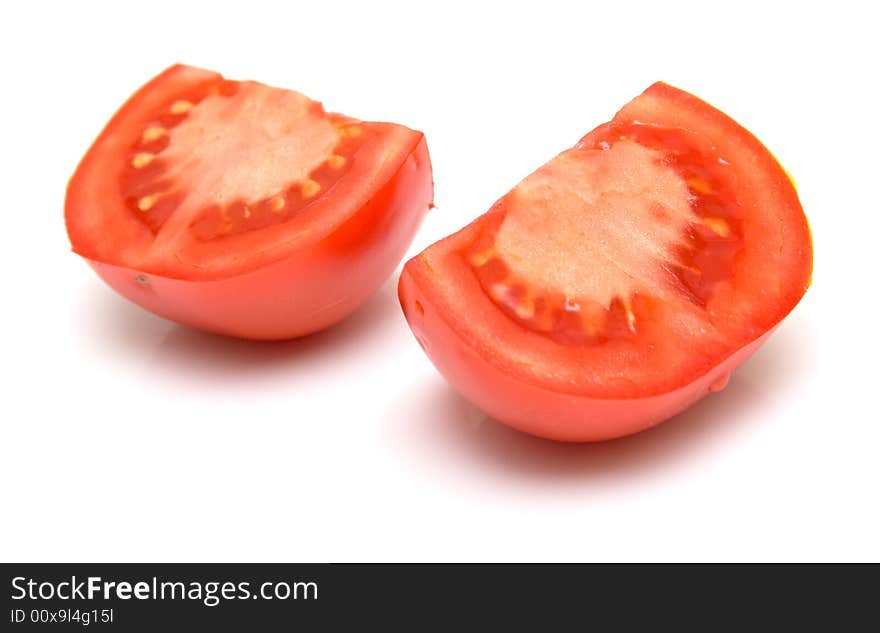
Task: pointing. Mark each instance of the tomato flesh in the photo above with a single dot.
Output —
(202, 179)
(640, 266)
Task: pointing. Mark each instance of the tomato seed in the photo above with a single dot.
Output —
(699, 185)
(480, 258)
(146, 203)
(352, 131)
(181, 107)
(310, 189)
(718, 226)
(142, 159)
(276, 204)
(152, 133)
(525, 308)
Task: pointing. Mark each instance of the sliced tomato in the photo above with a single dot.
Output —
(620, 282)
(244, 209)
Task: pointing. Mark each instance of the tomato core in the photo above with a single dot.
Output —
(585, 247)
(234, 157)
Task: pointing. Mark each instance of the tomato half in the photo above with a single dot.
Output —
(244, 209)
(621, 281)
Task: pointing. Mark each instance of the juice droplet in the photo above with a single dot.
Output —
(720, 383)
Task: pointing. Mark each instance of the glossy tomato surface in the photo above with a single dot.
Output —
(620, 282)
(244, 209)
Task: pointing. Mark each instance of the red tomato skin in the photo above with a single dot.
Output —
(309, 290)
(532, 408)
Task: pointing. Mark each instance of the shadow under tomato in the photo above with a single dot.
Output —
(133, 333)
(454, 425)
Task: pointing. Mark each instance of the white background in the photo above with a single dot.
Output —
(125, 437)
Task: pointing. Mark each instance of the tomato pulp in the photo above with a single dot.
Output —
(244, 209)
(620, 282)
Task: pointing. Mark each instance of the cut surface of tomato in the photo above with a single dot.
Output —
(204, 193)
(622, 280)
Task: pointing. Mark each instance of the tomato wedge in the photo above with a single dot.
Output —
(244, 209)
(620, 282)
